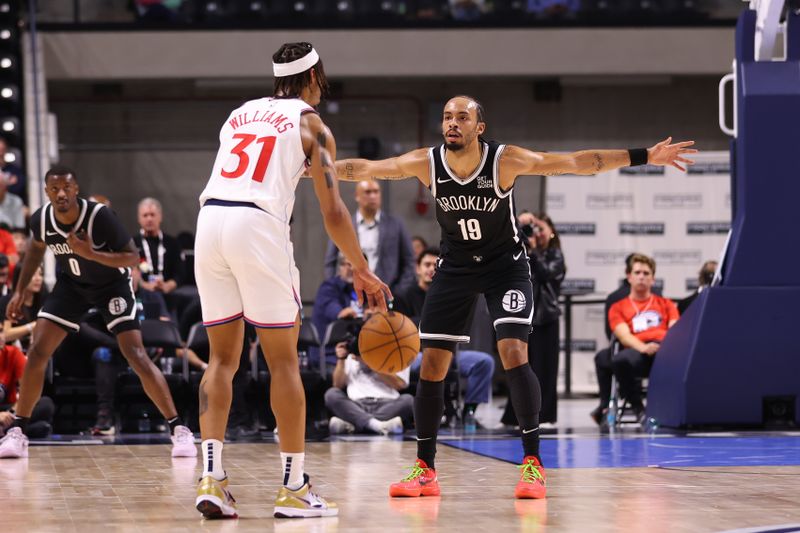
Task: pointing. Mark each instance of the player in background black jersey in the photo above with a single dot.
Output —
(471, 181)
(94, 254)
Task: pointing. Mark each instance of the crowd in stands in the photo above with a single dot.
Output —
(388, 12)
(352, 398)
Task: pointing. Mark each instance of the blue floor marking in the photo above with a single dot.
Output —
(588, 452)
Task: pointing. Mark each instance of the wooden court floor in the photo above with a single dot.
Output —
(140, 488)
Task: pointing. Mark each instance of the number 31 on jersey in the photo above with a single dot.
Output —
(245, 140)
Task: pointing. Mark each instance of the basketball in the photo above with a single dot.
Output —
(388, 342)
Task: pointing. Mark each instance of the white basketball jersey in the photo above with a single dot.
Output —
(260, 158)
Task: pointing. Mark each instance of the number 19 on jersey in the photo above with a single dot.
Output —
(470, 229)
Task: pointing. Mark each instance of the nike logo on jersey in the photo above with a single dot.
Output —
(50, 233)
(440, 180)
(517, 256)
(526, 431)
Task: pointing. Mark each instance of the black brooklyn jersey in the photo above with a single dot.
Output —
(477, 218)
(103, 229)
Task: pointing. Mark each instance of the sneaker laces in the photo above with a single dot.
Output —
(13, 435)
(531, 472)
(416, 471)
(183, 435)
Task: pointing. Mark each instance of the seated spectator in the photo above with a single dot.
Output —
(602, 360)
(32, 301)
(365, 401)
(704, 279)
(554, 8)
(12, 363)
(14, 174)
(20, 236)
(335, 300)
(467, 10)
(8, 247)
(418, 245)
(640, 322)
(12, 210)
(160, 254)
(474, 366)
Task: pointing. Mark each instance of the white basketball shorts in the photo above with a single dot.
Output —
(244, 266)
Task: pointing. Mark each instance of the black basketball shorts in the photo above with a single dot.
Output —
(69, 302)
(448, 309)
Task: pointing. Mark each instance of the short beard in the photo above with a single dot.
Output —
(454, 147)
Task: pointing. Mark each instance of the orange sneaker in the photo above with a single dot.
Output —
(532, 483)
(420, 482)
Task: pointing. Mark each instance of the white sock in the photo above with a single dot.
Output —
(375, 425)
(293, 470)
(212, 459)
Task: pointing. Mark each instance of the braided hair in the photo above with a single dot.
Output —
(292, 86)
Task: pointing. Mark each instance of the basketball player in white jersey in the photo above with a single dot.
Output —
(245, 268)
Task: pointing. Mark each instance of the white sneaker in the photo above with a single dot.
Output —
(393, 426)
(183, 443)
(337, 425)
(14, 444)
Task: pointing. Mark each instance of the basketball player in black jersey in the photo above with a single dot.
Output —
(472, 182)
(94, 255)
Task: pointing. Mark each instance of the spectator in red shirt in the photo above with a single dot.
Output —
(8, 247)
(12, 363)
(640, 322)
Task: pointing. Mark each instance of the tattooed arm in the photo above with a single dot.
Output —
(411, 164)
(516, 161)
(320, 146)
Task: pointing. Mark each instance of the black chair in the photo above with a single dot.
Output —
(131, 399)
(315, 382)
(308, 339)
(197, 340)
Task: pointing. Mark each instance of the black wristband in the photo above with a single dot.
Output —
(638, 156)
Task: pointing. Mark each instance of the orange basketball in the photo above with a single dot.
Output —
(388, 342)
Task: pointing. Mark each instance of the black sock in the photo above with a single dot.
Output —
(173, 423)
(428, 409)
(21, 422)
(526, 397)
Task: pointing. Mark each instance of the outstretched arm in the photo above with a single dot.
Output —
(319, 144)
(517, 161)
(408, 165)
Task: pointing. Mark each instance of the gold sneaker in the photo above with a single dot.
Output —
(214, 500)
(302, 503)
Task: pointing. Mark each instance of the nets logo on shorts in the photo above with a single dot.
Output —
(514, 301)
(117, 306)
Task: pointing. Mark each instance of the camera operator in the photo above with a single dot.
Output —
(365, 401)
(547, 274)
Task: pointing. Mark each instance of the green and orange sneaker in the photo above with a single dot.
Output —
(420, 482)
(532, 483)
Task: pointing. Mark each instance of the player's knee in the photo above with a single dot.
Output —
(36, 357)
(513, 357)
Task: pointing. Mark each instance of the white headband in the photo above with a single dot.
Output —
(297, 66)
